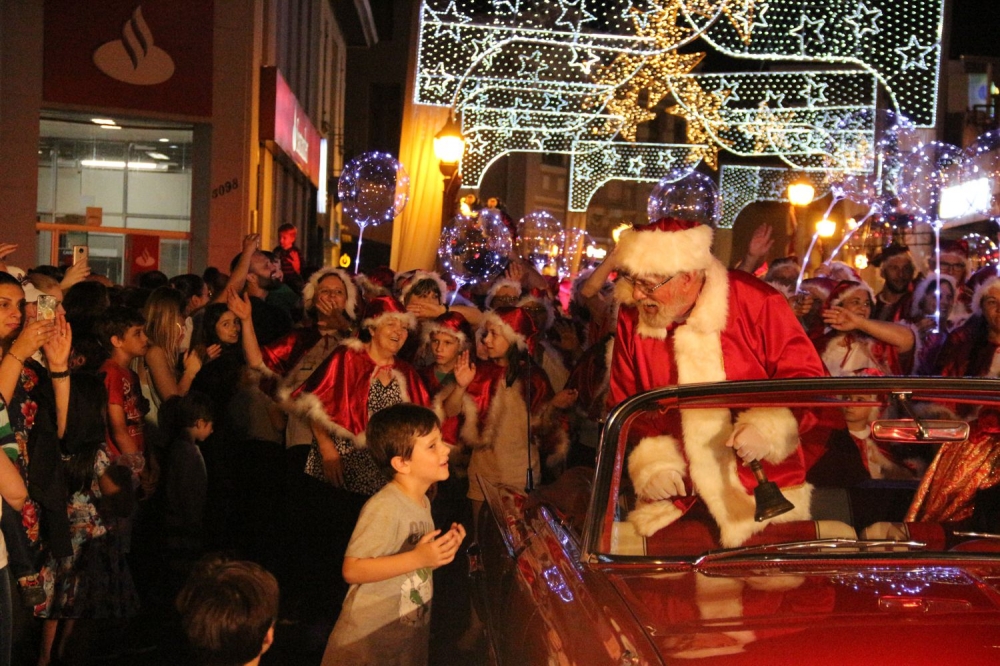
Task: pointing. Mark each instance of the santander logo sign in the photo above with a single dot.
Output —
(135, 58)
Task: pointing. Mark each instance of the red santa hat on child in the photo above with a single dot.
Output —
(418, 276)
(381, 307)
(378, 282)
(538, 298)
(500, 284)
(451, 323)
(665, 247)
(515, 324)
(309, 292)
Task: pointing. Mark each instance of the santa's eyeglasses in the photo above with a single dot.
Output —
(647, 286)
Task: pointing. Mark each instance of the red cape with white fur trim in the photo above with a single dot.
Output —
(335, 396)
(739, 329)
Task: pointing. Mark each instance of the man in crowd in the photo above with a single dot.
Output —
(898, 270)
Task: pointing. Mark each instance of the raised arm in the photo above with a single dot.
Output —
(239, 275)
(57, 351)
(244, 311)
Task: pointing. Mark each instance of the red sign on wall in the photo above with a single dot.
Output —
(153, 56)
(143, 254)
(285, 123)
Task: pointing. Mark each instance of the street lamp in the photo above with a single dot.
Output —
(800, 193)
(449, 145)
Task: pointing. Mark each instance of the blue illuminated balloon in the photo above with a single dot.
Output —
(373, 188)
(685, 194)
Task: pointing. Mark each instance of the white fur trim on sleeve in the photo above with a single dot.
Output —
(650, 517)
(652, 456)
(778, 426)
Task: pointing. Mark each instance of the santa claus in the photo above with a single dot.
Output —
(685, 319)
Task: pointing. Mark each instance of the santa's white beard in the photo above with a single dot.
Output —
(659, 316)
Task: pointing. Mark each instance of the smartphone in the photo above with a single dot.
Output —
(46, 307)
(81, 254)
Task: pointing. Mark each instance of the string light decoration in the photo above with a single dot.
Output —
(742, 185)
(807, 119)
(594, 163)
(899, 42)
(569, 75)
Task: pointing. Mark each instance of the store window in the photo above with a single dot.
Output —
(105, 182)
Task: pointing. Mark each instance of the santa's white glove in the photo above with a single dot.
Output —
(665, 484)
(749, 443)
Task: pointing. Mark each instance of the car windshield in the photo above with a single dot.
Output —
(867, 465)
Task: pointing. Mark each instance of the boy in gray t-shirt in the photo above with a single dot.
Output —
(386, 615)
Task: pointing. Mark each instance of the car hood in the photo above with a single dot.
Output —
(819, 615)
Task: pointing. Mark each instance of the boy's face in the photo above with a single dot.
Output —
(428, 461)
(286, 239)
(134, 342)
(861, 410)
(445, 347)
(202, 429)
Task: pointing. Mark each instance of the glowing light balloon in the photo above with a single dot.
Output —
(373, 188)
(924, 175)
(538, 241)
(981, 174)
(475, 250)
(687, 195)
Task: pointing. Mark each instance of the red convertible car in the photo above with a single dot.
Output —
(895, 560)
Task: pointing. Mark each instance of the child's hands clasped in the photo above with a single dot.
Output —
(436, 550)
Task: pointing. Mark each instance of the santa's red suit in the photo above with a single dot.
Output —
(738, 329)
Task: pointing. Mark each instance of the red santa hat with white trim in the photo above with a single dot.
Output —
(516, 325)
(844, 289)
(500, 284)
(351, 289)
(451, 323)
(665, 247)
(416, 278)
(380, 307)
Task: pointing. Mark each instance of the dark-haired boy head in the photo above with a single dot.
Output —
(228, 611)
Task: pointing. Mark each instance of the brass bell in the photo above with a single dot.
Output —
(767, 495)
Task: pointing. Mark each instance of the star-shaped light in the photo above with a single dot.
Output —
(554, 102)
(532, 65)
(440, 80)
(726, 92)
(448, 22)
(583, 171)
(805, 25)
(864, 20)
(772, 100)
(506, 6)
(914, 54)
(815, 92)
(636, 165)
(585, 59)
(573, 15)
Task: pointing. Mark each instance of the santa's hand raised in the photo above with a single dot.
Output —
(749, 443)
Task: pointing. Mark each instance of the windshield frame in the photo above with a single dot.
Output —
(807, 392)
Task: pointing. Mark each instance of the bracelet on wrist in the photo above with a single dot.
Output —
(16, 357)
(62, 374)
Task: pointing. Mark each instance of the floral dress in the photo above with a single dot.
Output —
(22, 409)
(95, 582)
(361, 474)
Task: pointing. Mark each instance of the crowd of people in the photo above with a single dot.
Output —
(236, 411)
